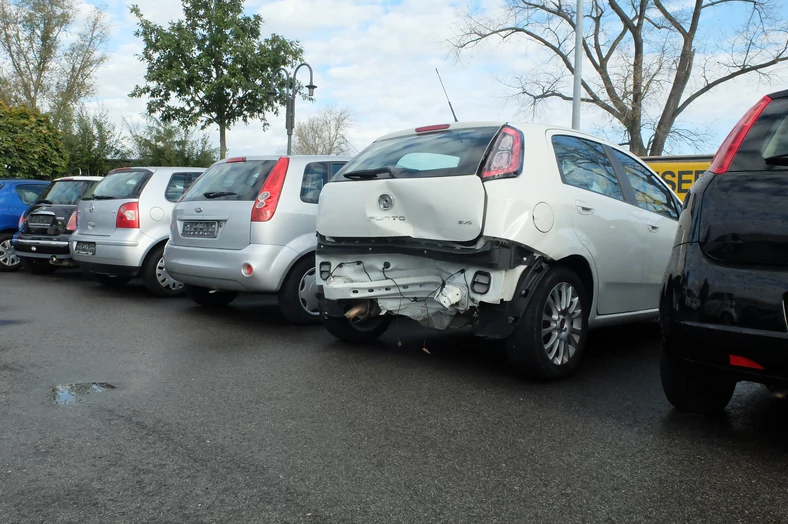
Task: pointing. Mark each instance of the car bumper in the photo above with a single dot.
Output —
(221, 268)
(42, 246)
(127, 249)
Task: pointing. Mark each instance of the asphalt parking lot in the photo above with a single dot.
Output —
(234, 416)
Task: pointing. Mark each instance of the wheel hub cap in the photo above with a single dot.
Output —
(562, 323)
(164, 278)
(307, 293)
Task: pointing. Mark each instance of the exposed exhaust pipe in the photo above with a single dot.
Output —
(362, 310)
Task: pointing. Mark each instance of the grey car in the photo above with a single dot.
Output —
(123, 226)
(248, 225)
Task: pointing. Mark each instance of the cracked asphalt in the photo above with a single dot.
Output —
(235, 416)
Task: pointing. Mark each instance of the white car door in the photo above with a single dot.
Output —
(609, 227)
(659, 210)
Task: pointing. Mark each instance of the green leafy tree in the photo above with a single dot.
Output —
(30, 145)
(93, 143)
(158, 143)
(212, 68)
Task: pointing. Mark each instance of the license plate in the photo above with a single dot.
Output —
(200, 229)
(85, 248)
(39, 220)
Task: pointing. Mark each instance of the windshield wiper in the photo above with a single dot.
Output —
(370, 173)
(102, 197)
(44, 201)
(781, 159)
(217, 194)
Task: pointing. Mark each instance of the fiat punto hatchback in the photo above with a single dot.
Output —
(526, 233)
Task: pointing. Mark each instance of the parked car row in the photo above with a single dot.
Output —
(528, 234)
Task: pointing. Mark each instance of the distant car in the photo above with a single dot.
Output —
(15, 197)
(249, 225)
(527, 233)
(724, 304)
(123, 226)
(45, 228)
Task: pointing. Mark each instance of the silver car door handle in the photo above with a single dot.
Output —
(583, 208)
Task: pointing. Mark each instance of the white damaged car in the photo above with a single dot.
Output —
(527, 233)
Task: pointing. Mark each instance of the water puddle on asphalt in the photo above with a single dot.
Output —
(73, 393)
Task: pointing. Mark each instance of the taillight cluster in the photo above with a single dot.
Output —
(22, 222)
(72, 221)
(506, 157)
(266, 202)
(128, 216)
(724, 156)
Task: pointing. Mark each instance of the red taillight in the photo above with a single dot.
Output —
(72, 221)
(128, 216)
(742, 362)
(236, 159)
(22, 222)
(427, 129)
(724, 156)
(265, 204)
(506, 157)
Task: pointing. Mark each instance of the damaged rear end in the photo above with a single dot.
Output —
(401, 232)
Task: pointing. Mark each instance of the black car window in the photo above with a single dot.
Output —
(585, 164)
(178, 184)
(650, 193)
(315, 177)
(65, 192)
(765, 148)
(28, 193)
(336, 166)
(237, 180)
(120, 184)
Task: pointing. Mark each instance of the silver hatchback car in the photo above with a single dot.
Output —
(248, 224)
(123, 225)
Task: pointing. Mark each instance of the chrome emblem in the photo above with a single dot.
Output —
(385, 201)
(91, 208)
(198, 210)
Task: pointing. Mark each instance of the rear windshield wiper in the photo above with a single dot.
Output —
(781, 159)
(217, 194)
(103, 197)
(370, 173)
(45, 201)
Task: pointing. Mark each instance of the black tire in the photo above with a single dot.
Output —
(110, 281)
(156, 279)
(526, 347)
(692, 388)
(9, 261)
(293, 305)
(205, 298)
(38, 266)
(357, 332)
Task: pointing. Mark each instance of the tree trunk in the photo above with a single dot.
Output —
(222, 141)
(636, 146)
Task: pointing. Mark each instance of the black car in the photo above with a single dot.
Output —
(724, 301)
(44, 230)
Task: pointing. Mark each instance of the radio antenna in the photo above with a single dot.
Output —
(447, 95)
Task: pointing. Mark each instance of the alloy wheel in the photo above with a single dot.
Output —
(8, 256)
(562, 323)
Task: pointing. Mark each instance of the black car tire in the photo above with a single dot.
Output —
(204, 297)
(291, 303)
(367, 330)
(109, 280)
(526, 348)
(7, 247)
(692, 388)
(38, 266)
(151, 272)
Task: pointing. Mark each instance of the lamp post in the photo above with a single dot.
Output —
(290, 93)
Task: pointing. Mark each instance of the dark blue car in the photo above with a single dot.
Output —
(16, 196)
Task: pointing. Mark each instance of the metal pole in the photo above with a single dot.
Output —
(289, 118)
(576, 92)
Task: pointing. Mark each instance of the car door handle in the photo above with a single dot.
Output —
(652, 228)
(583, 208)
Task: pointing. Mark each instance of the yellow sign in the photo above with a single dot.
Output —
(679, 172)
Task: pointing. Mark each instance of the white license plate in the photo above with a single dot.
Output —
(200, 229)
(85, 248)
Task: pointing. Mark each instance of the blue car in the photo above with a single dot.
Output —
(16, 196)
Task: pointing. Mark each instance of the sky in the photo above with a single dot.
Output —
(377, 58)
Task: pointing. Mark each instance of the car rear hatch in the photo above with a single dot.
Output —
(217, 210)
(117, 194)
(744, 212)
(52, 212)
(426, 185)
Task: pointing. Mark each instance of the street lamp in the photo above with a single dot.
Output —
(290, 92)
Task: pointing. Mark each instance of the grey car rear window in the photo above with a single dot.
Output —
(231, 181)
(65, 192)
(438, 154)
(120, 184)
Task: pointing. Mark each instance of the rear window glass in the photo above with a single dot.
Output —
(121, 184)
(178, 184)
(315, 177)
(446, 153)
(768, 139)
(231, 181)
(28, 193)
(65, 192)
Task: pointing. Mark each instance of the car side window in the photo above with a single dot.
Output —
(336, 166)
(28, 193)
(584, 164)
(315, 177)
(650, 194)
(178, 184)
